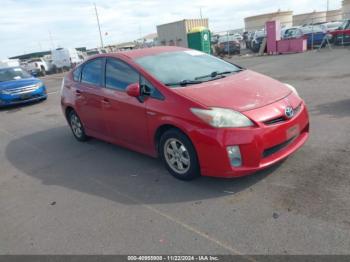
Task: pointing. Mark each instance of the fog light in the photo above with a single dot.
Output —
(234, 155)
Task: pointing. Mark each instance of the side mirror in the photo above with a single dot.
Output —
(133, 90)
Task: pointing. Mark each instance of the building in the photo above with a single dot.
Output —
(175, 33)
(334, 15)
(258, 22)
(148, 40)
(346, 9)
(317, 17)
(310, 18)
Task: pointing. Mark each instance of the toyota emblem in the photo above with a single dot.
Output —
(289, 112)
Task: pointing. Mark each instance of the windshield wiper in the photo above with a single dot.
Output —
(216, 73)
(184, 83)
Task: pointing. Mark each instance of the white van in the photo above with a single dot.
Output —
(65, 58)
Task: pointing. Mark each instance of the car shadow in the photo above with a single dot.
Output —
(337, 109)
(54, 157)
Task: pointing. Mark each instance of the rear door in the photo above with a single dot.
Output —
(89, 97)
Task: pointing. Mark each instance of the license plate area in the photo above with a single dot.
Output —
(293, 131)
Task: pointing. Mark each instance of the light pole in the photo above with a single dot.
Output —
(98, 24)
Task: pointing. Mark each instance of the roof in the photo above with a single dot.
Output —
(278, 13)
(136, 53)
(31, 55)
(150, 36)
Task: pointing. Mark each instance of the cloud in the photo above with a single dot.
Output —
(25, 24)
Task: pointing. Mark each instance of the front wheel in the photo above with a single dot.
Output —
(178, 155)
(77, 126)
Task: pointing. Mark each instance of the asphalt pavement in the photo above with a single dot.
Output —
(60, 196)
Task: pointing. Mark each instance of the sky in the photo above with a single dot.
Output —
(36, 25)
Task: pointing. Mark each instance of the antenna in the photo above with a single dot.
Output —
(98, 24)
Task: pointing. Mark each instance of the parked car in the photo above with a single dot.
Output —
(291, 33)
(17, 87)
(38, 66)
(200, 114)
(228, 45)
(342, 34)
(65, 58)
(332, 26)
(314, 34)
(238, 36)
(257, 40)
(249, 39)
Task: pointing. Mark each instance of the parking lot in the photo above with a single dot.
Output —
(59, 196)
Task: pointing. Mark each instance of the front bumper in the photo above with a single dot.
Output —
(260, 146)
(22, 98)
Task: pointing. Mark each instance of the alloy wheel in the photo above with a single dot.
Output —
(177, 156)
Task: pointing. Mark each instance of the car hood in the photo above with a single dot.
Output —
(18, 83)
(243, 91)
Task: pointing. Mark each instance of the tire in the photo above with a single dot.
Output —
(43, 72)
(77, 127)
(179, 155)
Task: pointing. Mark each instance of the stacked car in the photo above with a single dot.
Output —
(341, 36)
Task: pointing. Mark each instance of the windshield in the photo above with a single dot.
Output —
(13, 73)
(333, 25)
(185, 67)
(345, 25)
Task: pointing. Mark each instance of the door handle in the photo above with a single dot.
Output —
(105, 101)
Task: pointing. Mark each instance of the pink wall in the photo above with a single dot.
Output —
(273, 33)
(276, 45)
(292, 46)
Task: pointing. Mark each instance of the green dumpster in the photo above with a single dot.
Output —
(199, 38)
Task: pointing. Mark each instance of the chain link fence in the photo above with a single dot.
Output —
(318, 32)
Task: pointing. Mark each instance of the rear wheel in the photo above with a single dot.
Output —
(178, 155)
(77, 126)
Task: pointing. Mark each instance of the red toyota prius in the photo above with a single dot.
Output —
(199, 114)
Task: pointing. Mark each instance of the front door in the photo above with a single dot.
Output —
(125, 115)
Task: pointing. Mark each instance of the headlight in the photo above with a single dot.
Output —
(222, 117)
(292, 88)
(38, 85)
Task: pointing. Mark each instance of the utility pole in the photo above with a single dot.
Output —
(327, 5)
(98, 24)
(200, 12)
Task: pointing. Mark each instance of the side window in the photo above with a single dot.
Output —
(92, 72)
(77, 74)
(148, 88)
(119, 75)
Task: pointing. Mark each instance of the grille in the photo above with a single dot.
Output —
(22, 90)
(26, 98)
(277, 148)
(282, 118)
